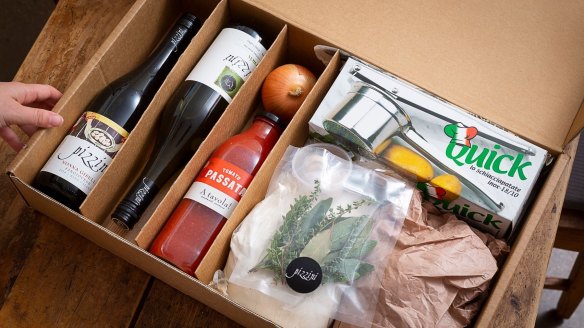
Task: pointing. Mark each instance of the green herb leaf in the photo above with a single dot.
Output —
(337, 242)
(318, 247)
(313, 218)
(345, 230)
(362, 250)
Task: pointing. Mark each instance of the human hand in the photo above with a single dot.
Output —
(28, 106)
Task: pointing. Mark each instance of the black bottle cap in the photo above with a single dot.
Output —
(253, 33)
(135, 203)
(126, 215)
(190, 21)
(273, 118)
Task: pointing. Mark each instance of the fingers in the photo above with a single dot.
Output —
(23, 115)
(42, 105)
(26, 106)
(27, 94)
(11, 138)
(29, 129)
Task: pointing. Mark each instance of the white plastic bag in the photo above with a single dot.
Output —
(318, 243)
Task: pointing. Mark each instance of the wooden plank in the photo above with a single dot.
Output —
(571, 231)
(71, 36)
(517, 305)
(573, 295)
(556, 283)
(68, 281)
(166, 307)
(18, 231)
(49, 275)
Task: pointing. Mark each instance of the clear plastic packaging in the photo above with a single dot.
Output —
(318, 244)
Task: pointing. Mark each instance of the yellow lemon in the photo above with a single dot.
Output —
(450, 184)
(409, 162)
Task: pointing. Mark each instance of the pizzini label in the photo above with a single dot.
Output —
(228, 62)
(87, 151)
(219, 186)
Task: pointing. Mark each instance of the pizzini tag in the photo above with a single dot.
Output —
(303, 275)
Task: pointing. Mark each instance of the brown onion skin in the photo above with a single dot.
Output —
(285, 88)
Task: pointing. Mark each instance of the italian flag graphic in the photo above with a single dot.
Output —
(460, 133)
(428, 190)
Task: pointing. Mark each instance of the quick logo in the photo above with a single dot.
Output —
(465, 213)
(485, 158)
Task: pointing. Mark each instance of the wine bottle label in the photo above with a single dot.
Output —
(220, 186)
(86, 151)
(228, 62)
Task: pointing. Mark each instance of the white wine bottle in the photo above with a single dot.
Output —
(192, 112)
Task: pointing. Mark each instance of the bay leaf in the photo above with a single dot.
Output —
(346, 230)
(353, 269)
(312, 218)
(318, 247)
(360, 250)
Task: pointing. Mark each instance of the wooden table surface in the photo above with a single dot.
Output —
(50, 276)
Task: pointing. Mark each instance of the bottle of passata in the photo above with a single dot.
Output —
(82, 157)
(212, 198)
(191, 113)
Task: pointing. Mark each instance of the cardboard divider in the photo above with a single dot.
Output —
(231, 122)
(300, 43)
(140, 37)
(295, 134)
(130, 159)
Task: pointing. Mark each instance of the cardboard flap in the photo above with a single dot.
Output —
(517, 65)
(577, 126)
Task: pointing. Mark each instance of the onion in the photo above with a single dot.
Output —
(285, 88)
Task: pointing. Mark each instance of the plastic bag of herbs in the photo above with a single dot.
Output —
(315, 248)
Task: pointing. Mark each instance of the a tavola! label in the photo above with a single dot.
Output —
(228, 62)
(86, 151)
(220, 186)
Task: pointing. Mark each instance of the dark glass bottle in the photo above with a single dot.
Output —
(192, 112)
(193, 226)
(82, 157)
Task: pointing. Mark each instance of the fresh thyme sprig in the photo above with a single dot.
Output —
(278, 252)
(310, 228)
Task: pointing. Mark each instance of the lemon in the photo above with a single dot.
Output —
(450, 184)
(408, 161)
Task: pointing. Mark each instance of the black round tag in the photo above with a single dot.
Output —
(303, 275)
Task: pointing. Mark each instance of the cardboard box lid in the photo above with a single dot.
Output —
(517, 64)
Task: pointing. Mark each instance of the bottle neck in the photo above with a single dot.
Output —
(163, 58)
(265, 129)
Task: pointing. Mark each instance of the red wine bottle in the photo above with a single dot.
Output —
(192, 112)
(82, 157)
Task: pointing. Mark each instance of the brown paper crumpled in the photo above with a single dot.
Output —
(437, 273)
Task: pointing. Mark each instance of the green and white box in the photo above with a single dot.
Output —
(462, 163)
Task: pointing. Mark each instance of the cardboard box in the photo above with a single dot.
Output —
(518, 68)
(465, 166)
